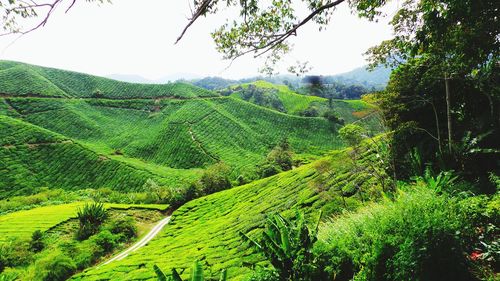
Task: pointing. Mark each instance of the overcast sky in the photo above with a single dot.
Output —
(131, 38)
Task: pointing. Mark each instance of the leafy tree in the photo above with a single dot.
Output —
(311, 111)
(444, 94)
(332, 116)
(279, 159)
(288, 247)
(352, 134)
(215, 178)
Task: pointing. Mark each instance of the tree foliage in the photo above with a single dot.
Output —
(443, 97)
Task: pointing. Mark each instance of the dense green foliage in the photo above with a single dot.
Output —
(442, 101)
(419, 236)
(279, 159)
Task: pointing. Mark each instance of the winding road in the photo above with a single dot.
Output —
(152, 233)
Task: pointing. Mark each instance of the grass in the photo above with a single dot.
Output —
(208, 228)
(22, 224)
(419, 235)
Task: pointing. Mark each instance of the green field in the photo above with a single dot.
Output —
(207, 228)
(22, 224)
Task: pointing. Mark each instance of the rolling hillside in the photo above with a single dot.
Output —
(282, 99)
(208, 228)
(20, 79)
(57, 133)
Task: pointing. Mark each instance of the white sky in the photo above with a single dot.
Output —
(131, 38)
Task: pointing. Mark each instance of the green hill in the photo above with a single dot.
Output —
(281, 98)
(290, 101)
(75, 140)
(208, 228)
(20, 79)
(33, 157)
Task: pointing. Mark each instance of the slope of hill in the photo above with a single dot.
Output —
(178, 134)
(22, 224)
(207, 229)
(20, 79)
(281, 98)
(33, 157)
(292, 102)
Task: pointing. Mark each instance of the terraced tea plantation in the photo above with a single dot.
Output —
(72, 137)
(61, 135)
(207, 229)
(19, 79)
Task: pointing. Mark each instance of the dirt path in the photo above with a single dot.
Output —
(154, 231)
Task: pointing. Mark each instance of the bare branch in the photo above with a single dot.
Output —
(203, 7)
(293, 31)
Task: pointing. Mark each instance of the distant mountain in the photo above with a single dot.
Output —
(376, 78)
(214, 83)
(177, 76)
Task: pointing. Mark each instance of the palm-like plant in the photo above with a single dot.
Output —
(90, 217)
(196, 274)
(288, 246)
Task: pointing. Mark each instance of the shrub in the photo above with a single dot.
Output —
(215, 178)
(352, 134)
(419, 236)
(55, 267)
(14, 253)
(262, 274)
(278, 160)
(333, 117)
(106, 242)
(125, 226)
(90, 218)
(36, 243)
(269, 169)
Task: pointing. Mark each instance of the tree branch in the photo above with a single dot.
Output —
(278, 38)
(203, 7)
